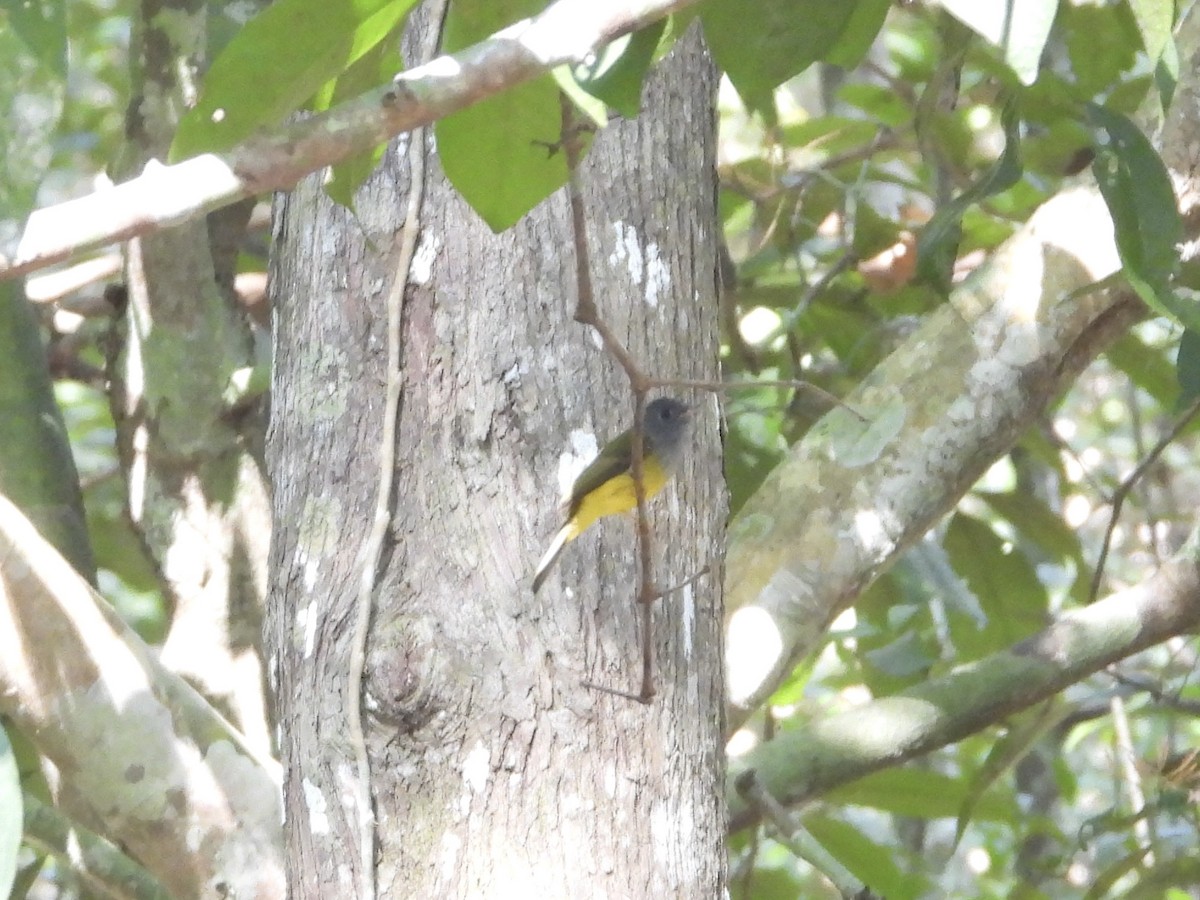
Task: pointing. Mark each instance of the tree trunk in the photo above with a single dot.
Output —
(494, 771)
(189, 439)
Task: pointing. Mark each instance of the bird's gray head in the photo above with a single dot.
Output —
(666, 427)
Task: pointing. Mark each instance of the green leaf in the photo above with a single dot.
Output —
(374, 67)
(11, 814)
(31, 102)
(860, 32)
(1187, 368)
(922, 793)
(902, 658)
(1138, 192)
(615, 74)
(760, 45)
(1023, 730)
(277, 62)
(595, 110)
(1018, 27)
(937, 245)
(769, 883)
(869, 862)
(1035, 521)
(1088, 26)
(1147, 367)
(1166, 75)
(754, 445)
(825, 136)
(880, 103)
(1154, 21)
(1004, 582)
(501, 154)
(41, 25)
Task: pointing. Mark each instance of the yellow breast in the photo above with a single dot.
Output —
(617, 495)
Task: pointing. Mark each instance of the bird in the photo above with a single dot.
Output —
(606, 486)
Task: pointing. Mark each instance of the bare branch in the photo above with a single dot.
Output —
(171, 774)
(805, 761)
(1129, 482)
(566, 32)
(942, 406)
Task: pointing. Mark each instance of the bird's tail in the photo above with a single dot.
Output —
(547, 562)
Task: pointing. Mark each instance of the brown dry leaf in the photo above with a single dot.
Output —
(893, 268)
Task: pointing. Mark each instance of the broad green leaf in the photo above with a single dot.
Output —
(860, 32)
(1138, 192)
(11, 814)
(277, 63)
(902, 658)
(937, 245)
(31, 102)
(754, 445)
(898, 650)
(1147, 368)
(917, 792)
(374, 67)
(1088, 26)
(1005, 583)
(1018, 27)
(1023, 730)
(1154, 21)
(41, 25)
(770, 883)
(119, 549)
(502, 153)
(1036, 522)
(761, 45)
(616, 72)
(1187, 366)
(870, 862)
(1166, 75)
(595, 110)
(884, 105)
(825, 136)
(847, 331)
(1128, 95)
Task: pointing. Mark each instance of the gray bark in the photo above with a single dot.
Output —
(190, 444)
(495, 772)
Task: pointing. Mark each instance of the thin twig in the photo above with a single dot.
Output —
(1127, 764)
(1123, 489)
(720, 387)
(814, 290)
(687, 582)
(587, 314)
(793, 835)
(372, 550)
(1137, 428)
(732, 180)
(585, 301)
(1155, 692)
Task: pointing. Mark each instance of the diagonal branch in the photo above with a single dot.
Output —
(805, 762)
(565, 32)
(139, 752)
(851, 498)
